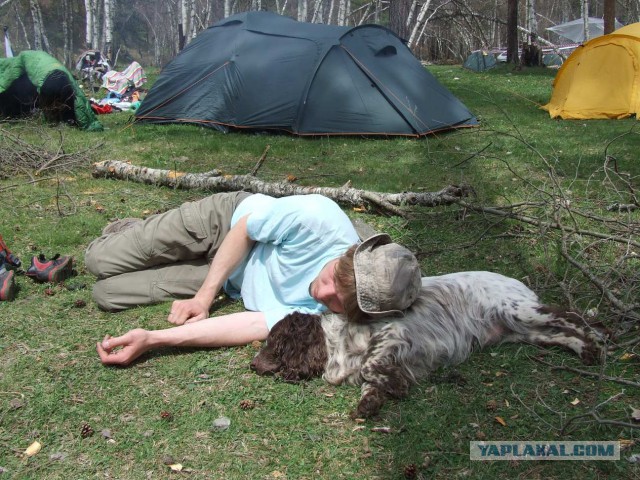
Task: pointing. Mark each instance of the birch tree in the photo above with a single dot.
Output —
(108, 27)
(302, 10)
(41, 42)
(419, 22)
(584, 10)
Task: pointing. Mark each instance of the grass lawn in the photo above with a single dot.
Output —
(163, 410)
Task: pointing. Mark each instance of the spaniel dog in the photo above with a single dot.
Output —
(453, 315)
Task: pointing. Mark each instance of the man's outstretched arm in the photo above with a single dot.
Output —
(224, 331)
(233, 249)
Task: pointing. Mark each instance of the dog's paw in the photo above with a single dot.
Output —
(591, 354)
(369, 405)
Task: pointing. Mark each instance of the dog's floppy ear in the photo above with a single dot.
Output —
(295, 349)
(304, 355)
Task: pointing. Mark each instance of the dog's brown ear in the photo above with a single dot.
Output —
(304, 356)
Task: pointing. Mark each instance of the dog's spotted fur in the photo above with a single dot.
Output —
(453, 315)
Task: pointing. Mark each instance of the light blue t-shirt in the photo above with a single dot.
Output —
(295, 237)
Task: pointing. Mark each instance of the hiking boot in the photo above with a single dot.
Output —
(120, 225)
(7, 284)
(7, 257)
(54, 270)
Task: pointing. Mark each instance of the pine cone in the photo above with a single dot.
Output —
(492, 405)
(410, 471)
(247, 404)
(86, 430)
(79, 303)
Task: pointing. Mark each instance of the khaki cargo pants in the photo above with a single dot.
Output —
(162, 258)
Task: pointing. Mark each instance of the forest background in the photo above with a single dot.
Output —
(152, 32)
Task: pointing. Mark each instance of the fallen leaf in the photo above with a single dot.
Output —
(291, 178)
(16, 403)
(357, 428)
(359, 209)
(627, 356)
(635, 414)
(500, 374)
(501, 421)
(575, 402)
(624, 443)
(33, 449)
(176, 467)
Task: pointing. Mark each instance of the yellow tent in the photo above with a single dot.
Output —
(600, 79)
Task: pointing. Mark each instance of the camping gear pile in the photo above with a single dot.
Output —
(92, 66)
(36, 81)
(124, 90)
(266, 72)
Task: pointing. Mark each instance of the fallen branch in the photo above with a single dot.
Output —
(232, 183)
(586, 373)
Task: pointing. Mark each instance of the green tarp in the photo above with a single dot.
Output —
(36, 80)
(263, 71)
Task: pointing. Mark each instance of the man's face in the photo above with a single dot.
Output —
(323, 288)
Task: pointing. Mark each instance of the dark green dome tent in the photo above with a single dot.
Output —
(36, 80)
(263, 71)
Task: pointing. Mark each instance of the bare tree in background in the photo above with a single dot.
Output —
(41, 42)
(609, 16)
(67, 48)
(512, 31)
(399, 11)
(584, 12)
(108, 29)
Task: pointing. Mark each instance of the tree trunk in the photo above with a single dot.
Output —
(22, 27)
(420, 21)
(399, 11)
(512, 31)
(609, 16)
(215, 182)
(108, 29)
(66, 34)
(342, 12)
(584, 10)
(302, 10)
(89, 18)
(37, 26)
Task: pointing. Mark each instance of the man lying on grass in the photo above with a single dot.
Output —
(278, 255)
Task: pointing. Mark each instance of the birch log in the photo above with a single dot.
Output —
(215, 181)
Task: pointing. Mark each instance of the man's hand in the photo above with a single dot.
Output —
(187, 311)
(125, 349)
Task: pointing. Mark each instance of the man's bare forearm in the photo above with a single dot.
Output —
(224, 331)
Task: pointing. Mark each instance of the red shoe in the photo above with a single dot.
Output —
(6, 256)
(7, 285)
(55, 270)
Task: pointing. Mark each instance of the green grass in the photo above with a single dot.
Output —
(51, 381)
